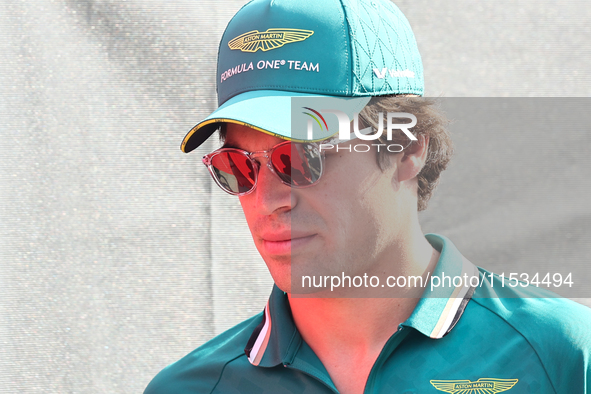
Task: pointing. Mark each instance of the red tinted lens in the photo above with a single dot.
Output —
(297, 164)
(234, 171)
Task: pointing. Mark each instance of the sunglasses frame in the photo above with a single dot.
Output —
(253, 156)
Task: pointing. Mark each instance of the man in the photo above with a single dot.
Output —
(322, 207)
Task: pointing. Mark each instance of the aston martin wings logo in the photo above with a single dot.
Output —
(481, 386)
(267, 40)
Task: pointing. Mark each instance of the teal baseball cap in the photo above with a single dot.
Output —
(275, 50)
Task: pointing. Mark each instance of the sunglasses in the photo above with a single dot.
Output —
(236, 171)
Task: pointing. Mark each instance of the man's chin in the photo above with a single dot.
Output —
(295, 289)
(298, 274)
(286, 279)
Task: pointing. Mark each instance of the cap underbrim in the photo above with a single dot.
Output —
(268, 111)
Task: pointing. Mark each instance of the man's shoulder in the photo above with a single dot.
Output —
(557, 329)
(200, 370)
(542, 316)
(520, 305)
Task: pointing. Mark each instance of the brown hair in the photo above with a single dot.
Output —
(431, 122)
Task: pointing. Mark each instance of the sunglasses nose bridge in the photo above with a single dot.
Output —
(256, 157)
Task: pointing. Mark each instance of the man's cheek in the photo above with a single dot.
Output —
(248, 211)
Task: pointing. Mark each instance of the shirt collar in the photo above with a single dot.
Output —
(276, 339)
(440, 308)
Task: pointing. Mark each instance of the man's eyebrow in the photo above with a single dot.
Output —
(227, 145)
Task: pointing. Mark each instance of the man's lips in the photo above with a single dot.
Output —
(286, 235)
(282, 243)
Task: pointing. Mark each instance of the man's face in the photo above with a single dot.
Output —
(344, 223)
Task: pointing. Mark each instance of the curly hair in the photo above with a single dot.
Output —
(431, 122)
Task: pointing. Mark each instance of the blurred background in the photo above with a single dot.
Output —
(118, 253)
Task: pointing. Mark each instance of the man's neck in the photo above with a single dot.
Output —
(356, 329)
(358, 321)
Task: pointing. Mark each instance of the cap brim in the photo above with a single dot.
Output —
(268, 111)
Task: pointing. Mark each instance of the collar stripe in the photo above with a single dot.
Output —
(456, 304)
(260, 345)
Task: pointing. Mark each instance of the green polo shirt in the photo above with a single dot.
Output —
(482, 339)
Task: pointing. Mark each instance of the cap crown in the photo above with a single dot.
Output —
(329, 47)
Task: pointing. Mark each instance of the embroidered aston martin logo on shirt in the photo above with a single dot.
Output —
(481, 386)
(267, 40)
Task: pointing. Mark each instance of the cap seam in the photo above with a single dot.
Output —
(354, 94)
(262, 87)
(346, 29)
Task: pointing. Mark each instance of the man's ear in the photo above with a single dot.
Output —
(412, 160)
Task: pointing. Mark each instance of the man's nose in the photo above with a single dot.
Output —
(272, 195)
